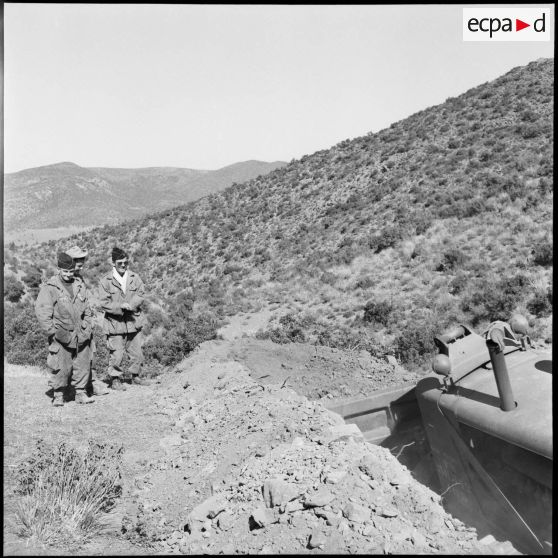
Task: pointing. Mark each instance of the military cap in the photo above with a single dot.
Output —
(65, 261)
(76, 252)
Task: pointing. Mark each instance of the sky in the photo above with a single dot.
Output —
(205, 86)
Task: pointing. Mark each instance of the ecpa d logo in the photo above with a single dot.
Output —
(506, 24)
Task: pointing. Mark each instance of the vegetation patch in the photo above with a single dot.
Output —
(64, 492)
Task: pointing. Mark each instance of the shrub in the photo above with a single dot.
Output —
(32, 279)
(458, 283)
(24, 342)
(542, 253)
(364, 282)
(378, 312)
(13, 289)
(451, 259)
(541, 303)
(530, 131)
(495, 300)
(65, 492)
(180, 340)
(385, 239)
(415, 343)
(291, 330)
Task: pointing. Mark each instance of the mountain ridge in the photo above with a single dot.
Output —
(66, 194)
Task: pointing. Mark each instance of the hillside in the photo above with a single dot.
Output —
(378, 243)
(66, 194)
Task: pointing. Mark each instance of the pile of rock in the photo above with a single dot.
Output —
(264, 470)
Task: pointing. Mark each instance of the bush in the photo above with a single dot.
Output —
(415, 344)
(495, 300)
(451, 259)
(24, 342)
(378, 312)
(541, 303)
(180, 340)
(542, 253)
(13, 289)
(33, 278)
(458, 283)
(291, 329)
(387, 238)
(65, 492)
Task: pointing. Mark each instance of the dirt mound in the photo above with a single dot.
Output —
(261, 469)
(219, 462)
(316, 371)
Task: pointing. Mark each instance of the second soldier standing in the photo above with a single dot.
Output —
(121, 295)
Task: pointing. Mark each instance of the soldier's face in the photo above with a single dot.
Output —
(78, 265)
(66, 274)
(121, 266)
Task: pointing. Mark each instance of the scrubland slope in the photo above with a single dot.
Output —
(377, 243)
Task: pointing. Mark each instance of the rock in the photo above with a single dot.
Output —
(356, 513)
(434, 522)
(369, 466)
(209, 508)
(418, 539)
(225, 521)
(343, 432)
(398, 478)
(277, 492)
(297, 442)
(387, 511)
(335, 476)
(318, 499)
(292, 506)
(392, 360)
(317, 540)
(332, 519)
(263, 517)
(343, 527)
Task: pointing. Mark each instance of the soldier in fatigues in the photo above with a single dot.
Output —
(121, 295)
(64, 314)
(95, 386)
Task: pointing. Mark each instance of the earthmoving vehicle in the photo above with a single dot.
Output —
(478, 431)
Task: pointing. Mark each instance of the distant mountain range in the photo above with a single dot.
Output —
(65, 194)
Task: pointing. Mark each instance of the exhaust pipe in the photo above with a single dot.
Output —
(501, 375)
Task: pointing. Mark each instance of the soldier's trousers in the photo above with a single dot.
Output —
(67, 365)
(118, 345)
(93, 359)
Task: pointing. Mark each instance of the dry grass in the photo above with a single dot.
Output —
(64, 492)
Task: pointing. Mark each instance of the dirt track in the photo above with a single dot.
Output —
(220, 460)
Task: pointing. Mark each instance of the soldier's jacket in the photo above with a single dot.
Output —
(93, 346)
(68, 318)
(111, 298)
